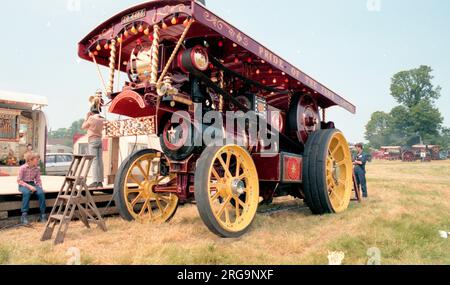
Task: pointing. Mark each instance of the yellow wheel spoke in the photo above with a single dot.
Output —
(333, 193)
(216, 175)
(225, 168)
(224, 206)
(242, 176)
(149, 163)
(228, 160)
(238, 214)
(135, 179)
(338, 146)
(132, 190)
(240, 203)
(159, 206)
(145, 175)
(227, 216)
(238, 167)
(215, 196)
(149, 208)
(165, 199)
(138, 197)
(144, 207)
(159, 180)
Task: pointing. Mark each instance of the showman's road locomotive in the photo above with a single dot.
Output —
(181, 58)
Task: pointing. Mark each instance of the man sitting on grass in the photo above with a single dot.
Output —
(29, 181)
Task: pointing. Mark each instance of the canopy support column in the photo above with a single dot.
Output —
(155, 56)
(112, 67)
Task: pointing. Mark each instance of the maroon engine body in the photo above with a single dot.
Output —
(221, 68)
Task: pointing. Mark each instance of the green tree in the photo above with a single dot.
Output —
(378, 129)
(416, 119)
(411, 87)
(401, 122)
(67, 134)
(444, 140)
(426, 120)
(75, 128)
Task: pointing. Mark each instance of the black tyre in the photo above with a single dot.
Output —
(327, 172)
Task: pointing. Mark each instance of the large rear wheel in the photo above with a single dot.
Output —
(327, 172)
(227, 190)
(135, 183)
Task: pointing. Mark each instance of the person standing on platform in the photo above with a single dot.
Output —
(94, 126)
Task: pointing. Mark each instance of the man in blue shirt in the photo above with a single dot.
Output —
(360, 169)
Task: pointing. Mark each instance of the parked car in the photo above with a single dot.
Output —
(58, 164)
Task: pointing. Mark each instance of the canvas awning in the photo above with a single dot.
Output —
(8, 97)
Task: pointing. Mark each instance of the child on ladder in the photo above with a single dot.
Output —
(30, 183)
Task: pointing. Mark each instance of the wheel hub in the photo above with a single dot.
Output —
(237, 187)
(335, 172)
(148, 190)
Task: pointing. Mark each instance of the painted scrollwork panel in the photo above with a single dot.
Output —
(131, 127)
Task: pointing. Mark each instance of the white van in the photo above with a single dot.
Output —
(58, 164)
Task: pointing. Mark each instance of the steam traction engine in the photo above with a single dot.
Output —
(181, 58)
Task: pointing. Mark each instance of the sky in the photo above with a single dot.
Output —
(354, 47)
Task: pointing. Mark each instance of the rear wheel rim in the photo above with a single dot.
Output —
(339, 173)
(143, 204)
(233, 188)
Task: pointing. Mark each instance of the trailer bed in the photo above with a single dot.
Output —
(11, 199)
(51, 184)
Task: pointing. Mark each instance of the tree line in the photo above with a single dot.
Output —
(67, 134)
(416, 119)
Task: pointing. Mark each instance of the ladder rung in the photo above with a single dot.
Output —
(65, 197)
(84, 156)
(74, 178)
(59, 217)
(74, 198)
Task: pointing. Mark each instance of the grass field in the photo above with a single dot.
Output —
(409, 203)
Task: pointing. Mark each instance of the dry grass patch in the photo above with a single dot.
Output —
(409, 203)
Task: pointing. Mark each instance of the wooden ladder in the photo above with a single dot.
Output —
(357, 190)
(74, 201)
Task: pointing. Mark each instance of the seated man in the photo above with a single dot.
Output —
(29, 181)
